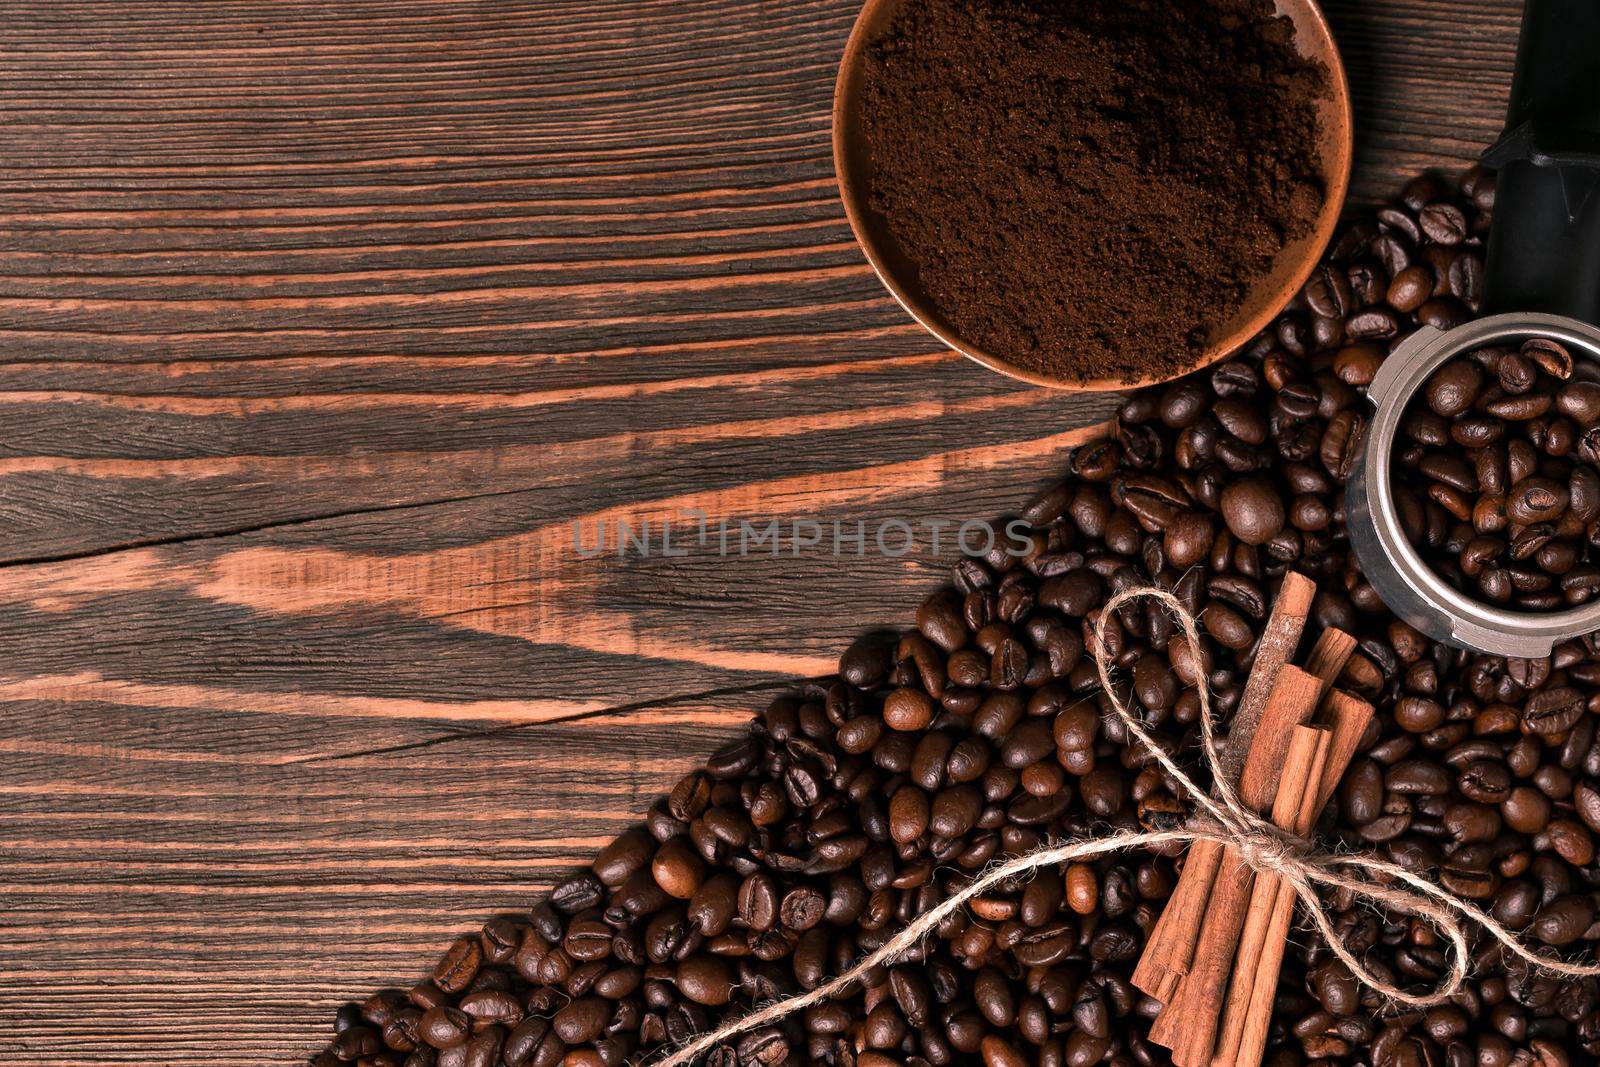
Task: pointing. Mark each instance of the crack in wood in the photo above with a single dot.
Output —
(241, 531)
(578, 716)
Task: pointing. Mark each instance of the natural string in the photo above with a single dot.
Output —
(1257, 842)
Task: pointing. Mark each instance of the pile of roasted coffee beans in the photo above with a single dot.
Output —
(856, 803)
(1497, 478)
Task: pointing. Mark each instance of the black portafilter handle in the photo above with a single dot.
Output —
(1544, 244)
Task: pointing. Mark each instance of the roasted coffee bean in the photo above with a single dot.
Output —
(1563, 921)
(1579, 400)
(1526, 810)
(523, 1041)
(1569, 840)
(1076, 724)
(706, 980)
(581, 1021)
(907, 710)
(1082, 889)
(459, 966)
(758, 901)
(1253, 509)
(1536, 499)
(444, 1027)
(1586, 800)
(867, 662)
(1373, 324)
(955, 811)
(1418, 714)
(1553, 711)
(1188, 538)
(1227, 626)
(621, 858)
(1443, 314)
(1485, 781)
(1328, 292)
(1453, 388)
(1443, 223)
(1410, 288)
(678, 868)
(1361, 792)
(802, 908)
(1415, 777)
(490, 1006)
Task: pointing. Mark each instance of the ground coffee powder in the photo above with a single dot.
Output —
(1086, 188)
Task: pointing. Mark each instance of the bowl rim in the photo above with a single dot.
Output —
(1336, 109)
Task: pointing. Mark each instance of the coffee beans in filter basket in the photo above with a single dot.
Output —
(1498, 475)
(860, 801)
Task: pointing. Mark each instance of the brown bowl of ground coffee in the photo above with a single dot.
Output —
(1086, 195)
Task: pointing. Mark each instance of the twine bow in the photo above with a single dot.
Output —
(1257, 842)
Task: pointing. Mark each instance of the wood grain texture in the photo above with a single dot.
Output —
(320, 324)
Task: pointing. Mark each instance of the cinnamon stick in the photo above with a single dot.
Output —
(1302, 779)
(1279, 638)
(1248, 1011)
(1347, 716)
(1188, 1025)
(1257, 1010)
(1329, 655)
(1170, 948)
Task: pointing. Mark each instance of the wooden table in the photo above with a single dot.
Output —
(320, 325)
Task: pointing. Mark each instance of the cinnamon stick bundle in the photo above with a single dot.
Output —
(1169, 951)
(1188, 1024)
(1301, 780)
(1221, 920)
(1246, 923)
(1247, 1013)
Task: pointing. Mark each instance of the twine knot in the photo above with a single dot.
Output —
(1270, 848)
(1223, 818)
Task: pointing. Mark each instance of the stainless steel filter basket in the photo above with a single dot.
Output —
(1391, 563)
